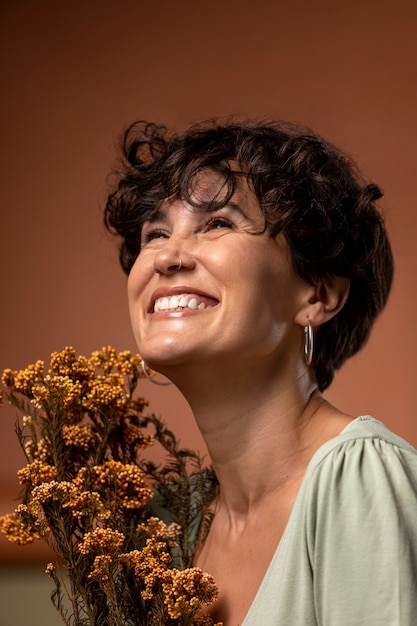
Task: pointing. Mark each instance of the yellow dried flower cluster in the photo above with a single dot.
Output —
(24, 380)
(61, 389)
(59, 491)
(50, 569)
(67, 363)
(102, 568)
(36, 449)
(36, 473)
(86, 494)
(121, 482)
(105, 359)
(27, 420)
(188, 588)
(184, 591)
(106, 391)
(81, 504)
(128, 364)
(72, 378)
(31, 448)
(102, 540)
(155, 527)
(149, 566)
(79, 436)
(87, 505)
(17, 527)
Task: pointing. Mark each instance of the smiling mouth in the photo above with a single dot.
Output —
(181, 302)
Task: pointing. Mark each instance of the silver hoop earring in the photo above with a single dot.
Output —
(180, 265)
(150, 378)
(308, 343)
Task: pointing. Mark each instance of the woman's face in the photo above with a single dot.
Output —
(205, 287)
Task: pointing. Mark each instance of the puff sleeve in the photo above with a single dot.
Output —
(362, 534)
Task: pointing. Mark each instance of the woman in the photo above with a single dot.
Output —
(257, 264)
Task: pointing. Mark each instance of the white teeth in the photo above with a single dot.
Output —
(178, 302)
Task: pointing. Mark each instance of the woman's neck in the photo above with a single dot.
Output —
(260, 432)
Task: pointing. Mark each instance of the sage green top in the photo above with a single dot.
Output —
(348, 556)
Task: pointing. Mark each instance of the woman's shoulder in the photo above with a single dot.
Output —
(364, 439)
(366, 465)
(366, 426)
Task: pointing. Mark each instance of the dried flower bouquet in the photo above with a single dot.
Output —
(124, 530)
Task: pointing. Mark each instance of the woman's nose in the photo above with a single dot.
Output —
(173, 258)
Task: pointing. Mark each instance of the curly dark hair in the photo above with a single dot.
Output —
(307, 189)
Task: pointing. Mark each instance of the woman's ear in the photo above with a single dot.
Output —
(328, 298)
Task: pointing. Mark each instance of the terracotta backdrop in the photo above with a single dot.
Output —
(75, 73)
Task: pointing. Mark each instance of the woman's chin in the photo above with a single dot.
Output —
(166, 351)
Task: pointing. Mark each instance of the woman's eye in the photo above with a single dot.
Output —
(215, 223)
(153, 234)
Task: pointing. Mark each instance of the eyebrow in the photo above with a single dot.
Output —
(158, 215)
(236, 207)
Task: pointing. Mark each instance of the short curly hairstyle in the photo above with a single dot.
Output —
(307, 189)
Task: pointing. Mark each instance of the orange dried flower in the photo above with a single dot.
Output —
(103, 540)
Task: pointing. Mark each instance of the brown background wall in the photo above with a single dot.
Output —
(74, 73)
